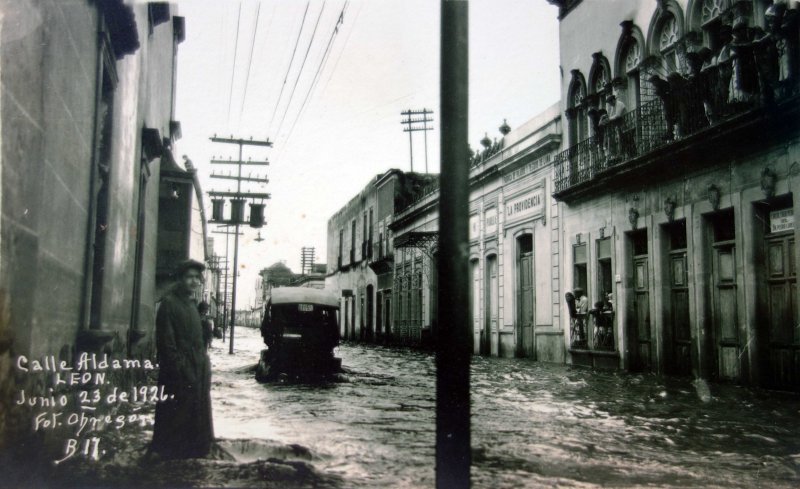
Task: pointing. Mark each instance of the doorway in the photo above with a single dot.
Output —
(525, 297)
(639, 330)
(475, 298)
(490, 305)
(780, 299)
(678, 339)
(725, 344)
(369, 311)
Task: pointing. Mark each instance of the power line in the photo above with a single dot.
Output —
(322, 63)
(233, 68)
(250, 61)
(288, 69)
(300, 72)
(343, 47)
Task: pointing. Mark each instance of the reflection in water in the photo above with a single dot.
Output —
(533, 425)
(374, 425)
(539, 424)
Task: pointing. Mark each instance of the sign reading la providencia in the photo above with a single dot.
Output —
(529, 204)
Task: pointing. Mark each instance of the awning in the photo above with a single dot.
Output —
(424, 240)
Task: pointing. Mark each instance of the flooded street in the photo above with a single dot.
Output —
(374, 427)
(544, 425)
(533, 424)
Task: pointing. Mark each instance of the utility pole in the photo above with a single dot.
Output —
(454, 338)
(226, 281)
(307, 260)
(237, 204)
(412, 120)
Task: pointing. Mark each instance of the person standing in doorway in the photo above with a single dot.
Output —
(183, 423)
(207, 322)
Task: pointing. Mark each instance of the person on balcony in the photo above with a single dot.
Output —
(612, 127)
(744, 79)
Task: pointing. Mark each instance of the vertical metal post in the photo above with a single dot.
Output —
(454, 336)
(235, 252)
(225, 300)
(410, 147)
(425, 136)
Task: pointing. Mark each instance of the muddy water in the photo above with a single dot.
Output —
(372, 427)
(545, 425)
(534, 425)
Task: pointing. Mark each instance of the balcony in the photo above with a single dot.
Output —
(688, 110)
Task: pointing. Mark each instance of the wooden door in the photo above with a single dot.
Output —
(490, 307)
(641, 314)
(783, 347)
(680, 359)
(525, 305)
(725, 315)
(475, 298)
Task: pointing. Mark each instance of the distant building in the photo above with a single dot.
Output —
(87, 130)
(276, 275)
(679, 201)
(315, 279)
(360, 254)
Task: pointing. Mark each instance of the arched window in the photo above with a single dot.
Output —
(577, 114)
(631, 62)
(600, 75)
(710, 10)
(664, 42)
(706, 16)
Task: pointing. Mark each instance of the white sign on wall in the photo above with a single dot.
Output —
(782, 220)
(529, 204)
(474, 227)
(490, 221)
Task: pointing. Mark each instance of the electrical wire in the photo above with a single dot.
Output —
(250, 61)
(288, 69)
(233, 68)
(300, 72)
(320, 67)
(344, 46)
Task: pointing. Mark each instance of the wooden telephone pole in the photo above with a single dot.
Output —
(412, 120)
(237, 201)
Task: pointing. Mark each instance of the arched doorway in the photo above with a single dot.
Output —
(369, 312)
(525, 296)
(490, 305)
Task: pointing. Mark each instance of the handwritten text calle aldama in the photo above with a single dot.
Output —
(80, 401)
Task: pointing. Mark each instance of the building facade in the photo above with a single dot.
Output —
(87, 107)
(360, 254)
(676, 187)
(514, 248)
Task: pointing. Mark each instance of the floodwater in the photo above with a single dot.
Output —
(533, 425)
(373, 427)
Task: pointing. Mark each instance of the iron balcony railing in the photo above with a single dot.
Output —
(690, 105)
(601, 336)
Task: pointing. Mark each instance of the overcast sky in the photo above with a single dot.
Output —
(383, 59)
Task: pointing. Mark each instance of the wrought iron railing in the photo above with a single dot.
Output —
(603, 331)
(601, 336)
(577, 332)
(693, 104)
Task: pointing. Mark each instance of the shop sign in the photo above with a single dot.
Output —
(490, 221)
(782, 220)
(527, 169)
(474, 227)
(529, 204)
